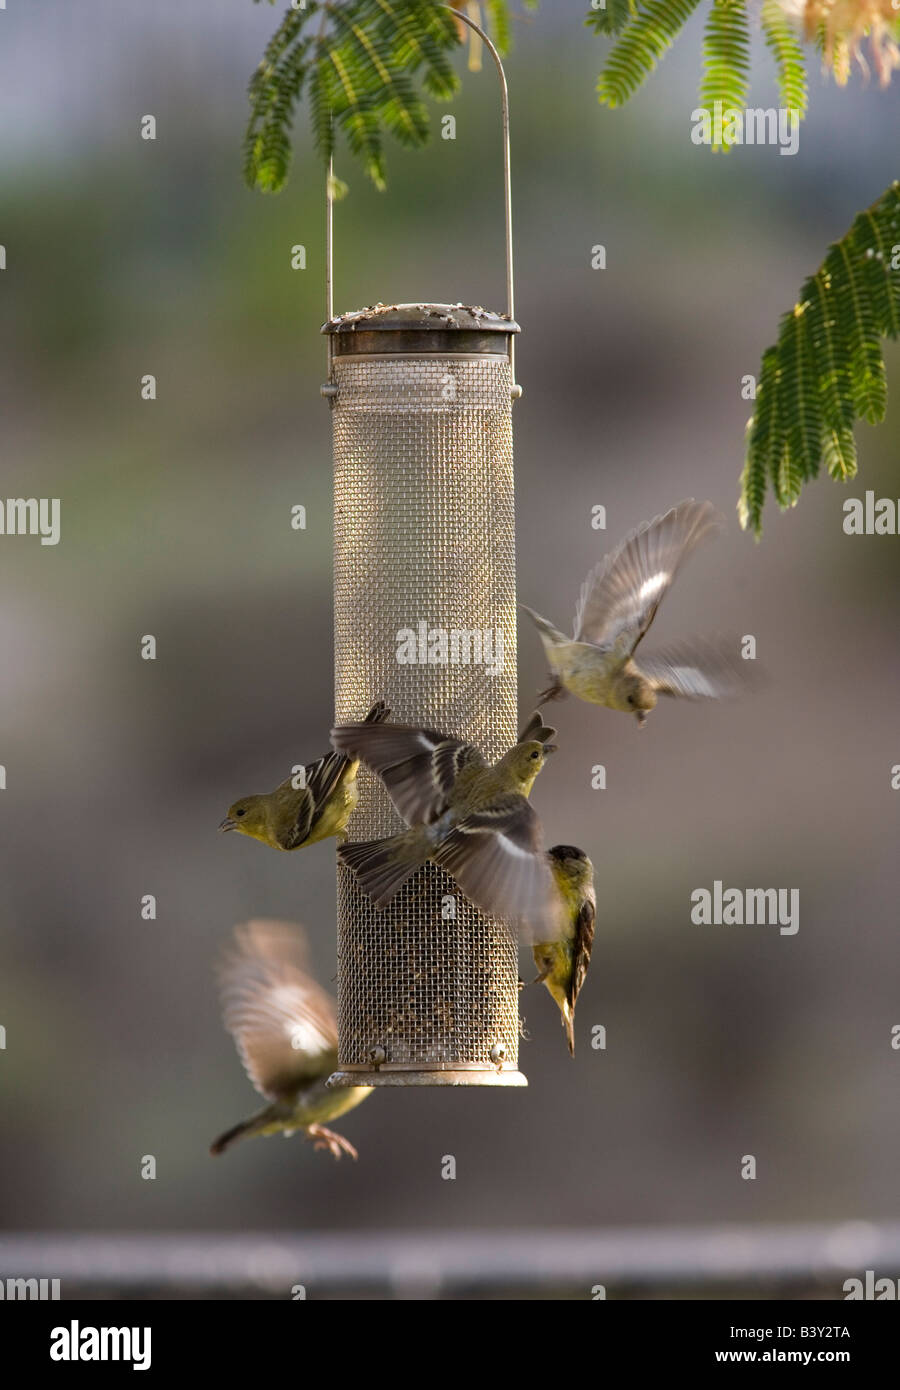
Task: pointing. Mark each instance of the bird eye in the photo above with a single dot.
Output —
(631, 699)
(241, 812)
(535, 753)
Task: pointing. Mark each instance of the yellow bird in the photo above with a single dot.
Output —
(293, 816)
(469, 816)
(619, 600)
(284, 1027)
(563, 963)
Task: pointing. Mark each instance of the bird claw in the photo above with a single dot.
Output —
(335, 1144)
(556, 691)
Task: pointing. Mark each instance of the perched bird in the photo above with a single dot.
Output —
(470, 817)
(284, 1027)
(618, 603)
(290, 816)
(563, 963)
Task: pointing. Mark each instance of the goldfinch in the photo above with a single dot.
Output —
(563, 962)
(292, 816)
(618, 602)
(284, 1027)
(470, 817)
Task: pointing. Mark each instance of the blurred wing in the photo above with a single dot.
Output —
(282, 1022)
(584, 941)
(698, 671)
(497, 858)
(620, 597)
(417, 766)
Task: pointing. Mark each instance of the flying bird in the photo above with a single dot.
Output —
(563, 962)
(284, 1027)
(291, 817)
(470, 817)
(618, 602)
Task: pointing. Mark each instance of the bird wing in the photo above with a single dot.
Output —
(322, 779)
(619, 598)
(583, 944)
(302, 804)
(497, 858)
(282, 1022)
(698, 670)
(418, 766)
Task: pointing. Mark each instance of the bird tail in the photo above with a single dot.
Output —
(548, 632)
(255, 1125)
(568, 1022)
(383, 866)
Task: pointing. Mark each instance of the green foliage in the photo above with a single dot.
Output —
(649, 31)
(826, 369)
(783, 42)
(726, 57)
(613, 18)
(364, 64)
(645, 29)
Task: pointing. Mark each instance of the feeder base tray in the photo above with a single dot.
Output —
(428, 1076)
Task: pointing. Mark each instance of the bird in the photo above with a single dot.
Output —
(563, 962)
(470, 817)
(291, 817)
(618, 602)
(283, 1024)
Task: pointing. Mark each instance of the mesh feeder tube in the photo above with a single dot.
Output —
(424, 618)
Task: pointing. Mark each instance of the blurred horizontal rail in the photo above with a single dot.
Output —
(429, 1264)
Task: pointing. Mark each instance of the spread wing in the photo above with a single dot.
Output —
(620, 597)
(417, 766)
(497, 858)
(699, 670)
(584, 941)
(282, 1022)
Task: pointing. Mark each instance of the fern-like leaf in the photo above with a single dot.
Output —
(827, 369)
(364, 70)
(726, 58)
(646, 37)
(499, 26)
(611, 17)
(783, 42)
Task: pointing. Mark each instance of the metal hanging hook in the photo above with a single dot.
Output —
(516, 390)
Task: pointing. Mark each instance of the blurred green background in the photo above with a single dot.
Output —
(127, 257)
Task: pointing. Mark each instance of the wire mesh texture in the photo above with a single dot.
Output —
(425, 618)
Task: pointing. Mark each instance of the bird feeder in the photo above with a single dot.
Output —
(425, 619)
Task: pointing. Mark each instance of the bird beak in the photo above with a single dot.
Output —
(641, 718)
(550, 748)
(228, 824)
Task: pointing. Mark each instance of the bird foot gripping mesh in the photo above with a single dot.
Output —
(425, 619)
